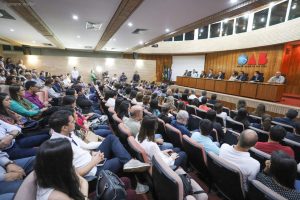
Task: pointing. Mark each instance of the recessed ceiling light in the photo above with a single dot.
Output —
(12, 30)
(226, 20)
(126, 48)
(201, 30)
(78, 36)
(130, 24)
(167, 30)
(262, 19)
(141, 42)
(272, 4)
(294, 6)
(233, 1)
(75, 17)
(244, 28)
(114, 39)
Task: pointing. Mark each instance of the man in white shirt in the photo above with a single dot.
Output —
(50, 90)
(195, 74)
(192, 96)
(87, 162)
(112, 96)
(74, 74)
(277, 78)
(239, 156)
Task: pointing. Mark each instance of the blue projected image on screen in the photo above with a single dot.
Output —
(242, 59)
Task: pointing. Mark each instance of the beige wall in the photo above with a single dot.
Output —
(64, 64)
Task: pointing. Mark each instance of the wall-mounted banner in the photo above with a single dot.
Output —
(252, 61)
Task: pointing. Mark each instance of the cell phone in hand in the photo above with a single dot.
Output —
(100, 164)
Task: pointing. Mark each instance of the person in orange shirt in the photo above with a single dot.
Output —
(203, 105)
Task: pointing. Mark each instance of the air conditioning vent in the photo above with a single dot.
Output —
(5, 15)
(93, 26)
(48, 44)
(139, 30)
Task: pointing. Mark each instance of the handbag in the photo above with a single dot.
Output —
(110, 187)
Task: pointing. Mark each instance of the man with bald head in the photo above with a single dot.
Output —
(277, 78)
(134, 121)
(239, 156)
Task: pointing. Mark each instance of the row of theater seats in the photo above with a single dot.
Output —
(212, 169)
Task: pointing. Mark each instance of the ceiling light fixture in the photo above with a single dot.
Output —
(141, 42)
(226, 20)
(114, 39)
(130, 24)
(294, 6)
(262, 19)
(78, 36)
(233, 1)
(167, 30)
(75, 17)
(201, 30)
(11, 30)
(271, 4)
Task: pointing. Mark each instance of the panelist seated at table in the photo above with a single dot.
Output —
(220, 75)
(233, 76)
(195, 74)
(257, 77)
(210, 74)
(242, 76)
(202, 75)
(278, 78)
(187, 73)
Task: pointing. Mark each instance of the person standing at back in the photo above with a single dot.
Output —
(136, 77)
(74, 75)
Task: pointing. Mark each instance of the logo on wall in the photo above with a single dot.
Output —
(252, 61)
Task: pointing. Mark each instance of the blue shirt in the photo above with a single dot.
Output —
(183, 129)
(208, 144)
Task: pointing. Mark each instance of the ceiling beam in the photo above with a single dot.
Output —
(24, 10)
(227, 13)
(125, 9)
(5, 40)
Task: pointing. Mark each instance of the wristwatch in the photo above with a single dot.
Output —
(8, 163)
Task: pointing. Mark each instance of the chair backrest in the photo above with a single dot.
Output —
(191, 109)
(162, 129)
(210, 105)
(287, 127)
(260, 156)
(295, 146)
(232, 113)
(194, 122)
(167, 184)
(227, 110)
(220, 120)
(231, 137)
(196, 154)
(174, 135)
(124, 131)
(258, 191)
(223, 173)
(138, 150)
(263, 136)
(235, 125)
(254, 119)
(28, 189)
(201, 113)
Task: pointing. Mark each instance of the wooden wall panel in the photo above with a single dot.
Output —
(161, 61)
(227, 61)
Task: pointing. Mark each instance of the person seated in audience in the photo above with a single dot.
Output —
(242, 76)
(257, 77)
(132, 96)
(203, 105)
(260, 110)
(30, 94)
(118, 102)
(266, 123)
(233, 76)
(241, 104)
(192, 96)
(289, 119)
(181, 106)
(85, 162)
(38, 81)
(195, 74)
(203, 94)
(111, 95)
(276, 135)
(211, 116)
(242, 116)
(139, 99)
(134, 121)
(210, 74)
(66, 184)
(181, 121)
(123, 78)
(21, 105)
(10, 80)
(127, 91)
(161, 100)
(220, 76)
(12, 173)
(2, 76)
(84, 103)
(146, 137)
(123, 110)
(57, 86)
(277, 79)
(154, 107)
(165, 113)
(239, 156)
(2, 63)
(280, 175)
(202, 75)
(296, 135)
(184, 98)
(146, 102)
(49, 89)
(213, 99)
(195, 102)
(203, 137)
(17, 146)
(9, 64)
(218, 107)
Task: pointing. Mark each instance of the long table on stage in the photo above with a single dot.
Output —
(263, 91)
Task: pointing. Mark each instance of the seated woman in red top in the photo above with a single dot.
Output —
(277, 133)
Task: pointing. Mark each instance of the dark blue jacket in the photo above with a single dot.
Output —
(183, 129)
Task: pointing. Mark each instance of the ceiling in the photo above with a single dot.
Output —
(154, 15)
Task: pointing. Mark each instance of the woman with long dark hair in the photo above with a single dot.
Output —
(55, 173)
(123, 109)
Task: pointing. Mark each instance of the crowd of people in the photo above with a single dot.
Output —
(236, 76)
(52, 135)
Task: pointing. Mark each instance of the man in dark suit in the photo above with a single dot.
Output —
(220, 76)
(289, 118)
(257, 77)
(186, 73)
(296, 135)
(202, 75)
(210, 74)
(242, 76)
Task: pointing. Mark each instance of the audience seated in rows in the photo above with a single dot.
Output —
(260, 110)
(211, 115)
(266, 123)
(213, 99)
(203, 105)
(165, 113)
(181, 121)
(218, 107)
(242, 116)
